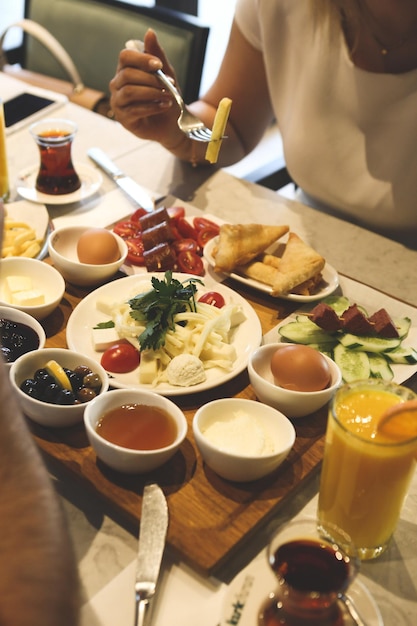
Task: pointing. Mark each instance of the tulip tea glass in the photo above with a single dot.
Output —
(313, 574)
(366, 472)
(54, 138)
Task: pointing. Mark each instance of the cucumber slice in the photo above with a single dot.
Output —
(402, 355)
(402, 325)
(305, 333)
(380, 368)
(338, 303)
(353, 365)
(368, 344)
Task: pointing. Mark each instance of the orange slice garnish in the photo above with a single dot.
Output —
(399, 422)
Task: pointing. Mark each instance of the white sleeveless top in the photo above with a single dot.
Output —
(350, 136)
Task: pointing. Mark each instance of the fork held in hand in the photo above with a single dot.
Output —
(188, 123)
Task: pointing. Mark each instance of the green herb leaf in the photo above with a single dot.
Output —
(109, 324)
(157, 307)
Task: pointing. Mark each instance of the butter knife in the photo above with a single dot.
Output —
(152, 535)
(129, 186)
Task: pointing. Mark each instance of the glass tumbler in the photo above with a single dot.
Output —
(313, 574)
(4, 176)
(57, 175)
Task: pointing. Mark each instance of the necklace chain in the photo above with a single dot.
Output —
(385, 49)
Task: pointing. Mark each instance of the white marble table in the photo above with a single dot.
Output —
(104, 548)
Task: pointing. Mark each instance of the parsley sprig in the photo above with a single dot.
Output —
(158, 307)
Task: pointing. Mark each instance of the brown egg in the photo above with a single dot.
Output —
(300, 368)
(97, 246)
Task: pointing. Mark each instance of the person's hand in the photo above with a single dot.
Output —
(138, 98)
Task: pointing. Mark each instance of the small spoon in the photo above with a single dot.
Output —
(351, 608)
(400, 420)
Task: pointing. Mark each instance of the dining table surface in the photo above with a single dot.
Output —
(215, 559)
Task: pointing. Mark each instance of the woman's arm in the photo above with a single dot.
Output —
(142, 105)
(38, 576)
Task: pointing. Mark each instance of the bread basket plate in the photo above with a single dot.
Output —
(328, 285)
(245, 338)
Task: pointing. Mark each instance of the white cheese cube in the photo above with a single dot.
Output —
(14, 284)
(104, 338)
(32, 297)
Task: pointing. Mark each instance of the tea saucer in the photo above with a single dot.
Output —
(91, 180)
(249, 589)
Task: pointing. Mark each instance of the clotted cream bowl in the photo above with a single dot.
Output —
(130, 460)
(292, 403)
(47, 413)
(62, 248)
(242, 440)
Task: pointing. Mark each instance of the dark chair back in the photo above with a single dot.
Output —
(94, 31)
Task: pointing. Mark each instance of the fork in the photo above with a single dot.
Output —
(188, 123)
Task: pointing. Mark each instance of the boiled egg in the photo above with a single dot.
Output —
(300, 368)
(97, 246)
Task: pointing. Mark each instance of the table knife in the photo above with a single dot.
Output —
(129, 186)
(152, 535)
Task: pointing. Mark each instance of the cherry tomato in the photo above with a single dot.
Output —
(120, 358)
(180, 245)
(135, 251)
(175, 212)
(189, 262)
(213, 298)
(202, 222)
(204, 235)
(126, 228)
(135, 217)
(185, 229)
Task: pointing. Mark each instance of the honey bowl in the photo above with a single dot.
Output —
(156, 429)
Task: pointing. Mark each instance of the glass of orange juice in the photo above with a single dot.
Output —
(4, 177)
(366, 471)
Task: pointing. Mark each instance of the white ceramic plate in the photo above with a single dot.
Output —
(330, 279)
(91, 180)
(250, 588)
(85, 316)
(371, 300)
(38, 219)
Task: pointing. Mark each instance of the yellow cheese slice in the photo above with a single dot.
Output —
(219, 126)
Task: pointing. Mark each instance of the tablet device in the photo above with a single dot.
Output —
(26, 107)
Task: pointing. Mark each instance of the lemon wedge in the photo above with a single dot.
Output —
(59, 374)
(399, 422)
(219, 126)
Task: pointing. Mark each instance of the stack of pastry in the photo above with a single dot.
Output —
(242, 248)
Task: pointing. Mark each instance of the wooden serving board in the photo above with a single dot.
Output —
(210, 518)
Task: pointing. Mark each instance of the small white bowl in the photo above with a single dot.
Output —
(293, 403)
(128, 460)
(44, 413)
(20, 317)
(223, 455)
(44, 278)
(62, 248)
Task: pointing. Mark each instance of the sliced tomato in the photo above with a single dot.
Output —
(190, 263)
(185, 229)
(205, 234)
(214, 298)
(135, 217)
(202, 222)
(179, 245)
(126, 228)
(120, 358)
(175, 212)
(135, 251)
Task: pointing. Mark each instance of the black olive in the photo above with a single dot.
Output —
(43, 377)
(50, 393)
(75, 380)
(65, 396)
(31, 388)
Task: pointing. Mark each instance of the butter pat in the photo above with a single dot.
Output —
(240, 434)
(14, 284)
(33, 297)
